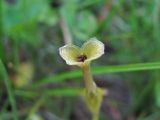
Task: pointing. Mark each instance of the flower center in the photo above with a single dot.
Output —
(81, 58)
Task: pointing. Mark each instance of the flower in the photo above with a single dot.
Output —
(90, 50)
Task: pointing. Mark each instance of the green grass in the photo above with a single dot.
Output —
(99, 70)
(49, 92)
(131, 27)
(8, 85)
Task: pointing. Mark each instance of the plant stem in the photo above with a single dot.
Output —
(89, 83)
(65, 30)
(99, 70)
(1, 20)
(95, 116)
(2, 54)
(92, 97)
(7, 82)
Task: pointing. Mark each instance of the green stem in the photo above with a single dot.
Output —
(1, 20)
(4, 76)
(156, 26)
(2, 54)
(95, 116)
(105, 69)
(89, 83)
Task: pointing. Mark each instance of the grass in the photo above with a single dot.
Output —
(99, 70)
(9, 88)
(50, 92)
(131, 26)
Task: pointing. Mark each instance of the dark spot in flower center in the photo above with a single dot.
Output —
(81, 58)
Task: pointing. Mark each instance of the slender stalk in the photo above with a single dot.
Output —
(89, 83)
(4, 76)
(65, 30)
(95, 116)
(93, 97)
(156, 26)
(2, 54)
(1, 24)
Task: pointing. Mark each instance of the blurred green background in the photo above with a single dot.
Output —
(36, 84)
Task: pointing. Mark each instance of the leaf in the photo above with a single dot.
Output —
(50, 92)
(99, 70)
(21, 19)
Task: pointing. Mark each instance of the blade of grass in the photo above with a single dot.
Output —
(156, 26)
(63, 92)
(99, 70)
(25, 93)
(4, 76)
(1, 20)
(2, 55)
(50, 92)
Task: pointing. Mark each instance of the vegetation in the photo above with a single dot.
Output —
(36, 83)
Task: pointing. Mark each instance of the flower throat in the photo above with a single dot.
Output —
(81, 58)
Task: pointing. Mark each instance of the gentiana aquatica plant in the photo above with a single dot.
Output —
(82, 57)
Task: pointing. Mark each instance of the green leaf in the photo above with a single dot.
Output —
(21, 19)
(99, 70)
(23, 12)
(50, 92)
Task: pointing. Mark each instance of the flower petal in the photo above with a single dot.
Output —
(69, 53)
(93, 49)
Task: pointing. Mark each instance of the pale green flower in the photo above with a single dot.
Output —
(90, 50)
